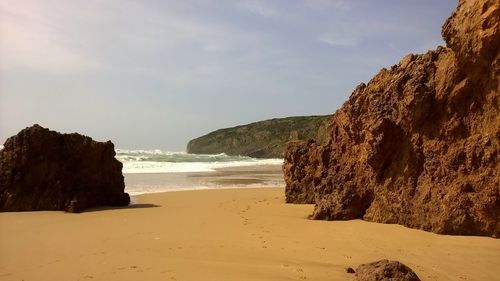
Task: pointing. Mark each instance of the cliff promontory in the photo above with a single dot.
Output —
(419, 144)
(42, 169)
(264, 139)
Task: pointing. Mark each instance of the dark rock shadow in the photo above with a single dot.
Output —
(131, 206)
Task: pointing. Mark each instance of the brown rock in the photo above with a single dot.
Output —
(301, 187)
(473, 33)
(350, 270)
(419, 144)
(45, 170)
(385, 270)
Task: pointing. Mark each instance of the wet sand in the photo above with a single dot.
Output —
(231, 234)
(234, 177)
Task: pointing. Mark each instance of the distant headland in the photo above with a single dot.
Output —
(264, 139)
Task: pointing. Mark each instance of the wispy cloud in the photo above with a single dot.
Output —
(28, 40)
(258, 7)
(61, 37)
(339, 39)
(328, 5)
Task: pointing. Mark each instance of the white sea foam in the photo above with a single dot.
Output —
(147, 189)
(139, 167)
(158, 161)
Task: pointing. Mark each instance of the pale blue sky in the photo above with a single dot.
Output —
(154, 74)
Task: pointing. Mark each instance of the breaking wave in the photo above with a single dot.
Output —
(159, 161)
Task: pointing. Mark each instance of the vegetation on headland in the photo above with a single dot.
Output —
(264, 139)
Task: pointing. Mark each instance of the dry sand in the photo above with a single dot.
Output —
(233, 234)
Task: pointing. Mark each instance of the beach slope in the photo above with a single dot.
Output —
(232, 234)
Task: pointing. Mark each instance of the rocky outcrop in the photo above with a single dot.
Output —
(264, 139)
(385, 270)
(45, 170)
(419, 144)
(303, 161)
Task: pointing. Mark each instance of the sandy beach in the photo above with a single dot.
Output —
(230, 234)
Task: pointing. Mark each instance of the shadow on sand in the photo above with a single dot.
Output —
(131, 206)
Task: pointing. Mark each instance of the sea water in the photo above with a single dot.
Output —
(159, 161)
(150, 171)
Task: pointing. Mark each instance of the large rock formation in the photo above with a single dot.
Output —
(419, 144)
(45, 170)
(264, 139)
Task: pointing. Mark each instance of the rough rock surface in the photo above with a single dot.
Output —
(385, 270)
(264, 139)
(419, 144)
(301, 179)
(45, 170)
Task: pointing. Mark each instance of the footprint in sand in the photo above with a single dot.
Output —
(300, 271)
(128, 267)
(302, 275)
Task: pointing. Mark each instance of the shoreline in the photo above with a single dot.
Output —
(225, 234)
(228, 177)
(203, 189)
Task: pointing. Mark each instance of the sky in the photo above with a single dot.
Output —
(151, 74)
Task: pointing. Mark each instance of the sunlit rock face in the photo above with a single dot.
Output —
(419, 144)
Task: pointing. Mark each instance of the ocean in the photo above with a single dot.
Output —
(150, 171)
